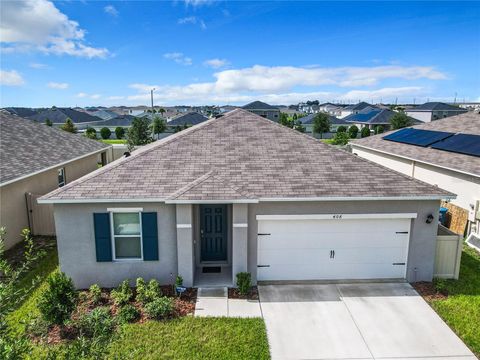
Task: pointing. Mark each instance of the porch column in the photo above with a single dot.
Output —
(185, 256)
(239, 239)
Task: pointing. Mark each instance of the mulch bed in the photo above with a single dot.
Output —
(233, 293)
(427, 290)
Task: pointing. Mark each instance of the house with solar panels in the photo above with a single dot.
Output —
(445, 153)
(372, 117)
(432, 111)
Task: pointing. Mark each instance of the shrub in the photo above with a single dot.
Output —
(244, 282)
(179, 281)
(159, 308)
(95, 293)
(91, 133)
(58, 300)
(441, 285)
(38, 327)
(147, 292)
(353, 132)
(379, 129)
(341, 129)
(119, 132)
(98, 323)
(105, 133)
(127, 313)
(365, 132)
(123, 294)
(340, 138)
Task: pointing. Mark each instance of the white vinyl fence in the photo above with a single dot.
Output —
(448, 254)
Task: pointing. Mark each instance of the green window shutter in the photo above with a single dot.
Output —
(103, 242)
(150, 236)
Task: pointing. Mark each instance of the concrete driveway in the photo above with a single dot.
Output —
(355, 321)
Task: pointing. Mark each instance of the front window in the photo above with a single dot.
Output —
(127, 235)
(61, 177)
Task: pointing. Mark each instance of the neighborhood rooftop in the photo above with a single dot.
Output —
(29, 147)
(245, 157)
(259, 105)
(468, 123)
(436, 106)
(191, 118)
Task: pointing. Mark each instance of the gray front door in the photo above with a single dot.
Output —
(213, 231)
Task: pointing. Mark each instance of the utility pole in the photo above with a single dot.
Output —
(455, 99)
(151, 97)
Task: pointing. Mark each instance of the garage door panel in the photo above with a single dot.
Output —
(301, 249)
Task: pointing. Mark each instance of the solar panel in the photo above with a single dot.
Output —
(417, 137)
(460, 143)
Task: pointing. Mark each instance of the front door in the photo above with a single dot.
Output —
(213, 231)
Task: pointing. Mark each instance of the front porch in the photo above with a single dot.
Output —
(211, 243)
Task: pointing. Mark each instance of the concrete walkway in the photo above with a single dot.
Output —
(355, 321)
(215, 302)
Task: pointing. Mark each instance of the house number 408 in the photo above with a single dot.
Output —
(337, 216)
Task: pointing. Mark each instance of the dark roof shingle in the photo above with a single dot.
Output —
(191, 118)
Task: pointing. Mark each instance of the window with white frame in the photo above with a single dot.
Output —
(61, 177)
(127, 235)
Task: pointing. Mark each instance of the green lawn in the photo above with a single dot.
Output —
(461, 309)
(114, 141)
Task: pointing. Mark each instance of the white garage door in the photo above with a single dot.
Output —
(315, 249)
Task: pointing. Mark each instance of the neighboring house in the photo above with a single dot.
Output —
(242, 193)
(188, 119)
(36, 159)
(307, 122)
(455, 170)
(104, 114)
(371, 117)
(58, 116)
(264, 110)
(431, 111)
(118, 121)
(332, 109)
(21, 111)
(353, 109)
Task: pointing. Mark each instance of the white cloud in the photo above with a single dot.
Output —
(115, 97)
(95, 96)
(178, 57)
(216, 63)
(38, 25)
(81, 95)
(11, 78)
(38, 66)
(111, 10)
(196, 3)
(56, 85)
(192, 20)
(89, 96)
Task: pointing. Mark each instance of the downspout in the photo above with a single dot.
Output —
(413, 168)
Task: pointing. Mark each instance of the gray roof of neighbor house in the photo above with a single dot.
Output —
(243, 157)
(436, 106)
(60, 115)
(468, 123)
(259, 105)
(28, 147)
(22, 111)
(360, 106)
(104, 114)
(374, 116)
(311, 117)
(191, 118)
(120, 120)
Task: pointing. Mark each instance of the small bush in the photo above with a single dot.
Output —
(38, 327)
(159, 308)
(127, 313)
(105, 133)
(123, 294)
(95, 293)
(353, 132)
(365, 132)
(341, 129)
(148, 292)
(340, 138)
(441, 285)
(98, 323)
(179, 281)
(58, 300)
(244, 282)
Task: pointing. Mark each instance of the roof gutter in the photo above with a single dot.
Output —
(54, 166)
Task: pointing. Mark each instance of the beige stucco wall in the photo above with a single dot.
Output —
(13, 209)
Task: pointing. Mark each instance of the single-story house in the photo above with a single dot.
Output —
(307, 122)
(243, 193)
(431, 111)
(58, 116)
(353, 109)
(372, 117)
(188, 119)
(36, 159)
(444, 153)
(264, 110)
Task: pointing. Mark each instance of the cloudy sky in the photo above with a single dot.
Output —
(70, 53)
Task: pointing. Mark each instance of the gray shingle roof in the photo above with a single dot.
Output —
(311, 117)
(436, 106)
(360, 106)
(191, 118)
(468, 123)
(60, 115)
(259, 105)
(27, 147)
(241, 155)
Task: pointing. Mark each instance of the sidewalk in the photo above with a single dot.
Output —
(215, 302)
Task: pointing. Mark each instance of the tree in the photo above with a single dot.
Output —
(161, 111)
(365, 132)
(105, 133)
(321, 124)
(91, 133)
(299, 126)
(340, 138)
(69, 126)
(139, 133)
(285, 121)
(353, 132)
(379, 129)
(158, 126)
(400, 120)
(119, 132)
(294, 116)
(48, 122)
(342, 128)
